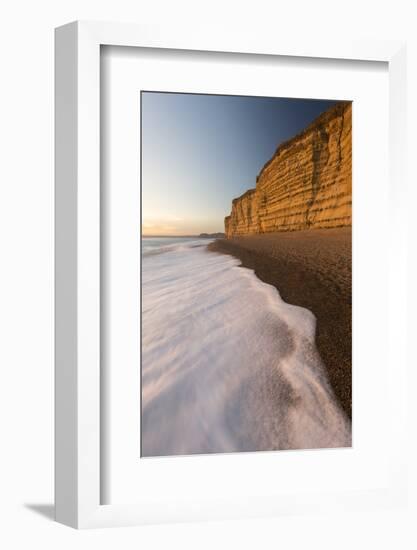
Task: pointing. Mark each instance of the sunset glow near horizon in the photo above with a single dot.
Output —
(199, 152)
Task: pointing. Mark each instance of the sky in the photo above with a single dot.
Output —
(199, 152)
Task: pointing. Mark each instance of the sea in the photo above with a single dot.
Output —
(226, 364)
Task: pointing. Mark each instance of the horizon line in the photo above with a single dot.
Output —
(189, 235)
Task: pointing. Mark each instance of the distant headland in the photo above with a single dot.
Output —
(200, 236)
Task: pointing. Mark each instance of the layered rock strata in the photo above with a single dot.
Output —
(306, 184)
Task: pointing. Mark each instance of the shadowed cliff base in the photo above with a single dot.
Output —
(311, 269)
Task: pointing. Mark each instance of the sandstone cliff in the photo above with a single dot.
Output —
(307, 183)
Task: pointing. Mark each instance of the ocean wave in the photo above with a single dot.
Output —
(227, 365)
(157, 249)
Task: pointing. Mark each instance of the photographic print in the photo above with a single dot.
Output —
(246, 274)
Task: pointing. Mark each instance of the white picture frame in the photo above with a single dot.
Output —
(77, 241)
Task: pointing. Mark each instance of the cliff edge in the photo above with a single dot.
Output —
(306, 184)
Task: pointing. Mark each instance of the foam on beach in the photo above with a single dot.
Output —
(226, 364)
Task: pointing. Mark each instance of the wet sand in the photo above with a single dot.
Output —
(311, 269)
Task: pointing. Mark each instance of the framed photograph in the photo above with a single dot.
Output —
(229, 331)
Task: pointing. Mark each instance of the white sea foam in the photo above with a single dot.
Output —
(226, 364)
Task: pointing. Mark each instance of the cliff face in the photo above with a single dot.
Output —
(306, 184)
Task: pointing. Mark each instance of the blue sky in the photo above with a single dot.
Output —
(201, 151)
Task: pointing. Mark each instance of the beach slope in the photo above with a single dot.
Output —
(311, 269)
